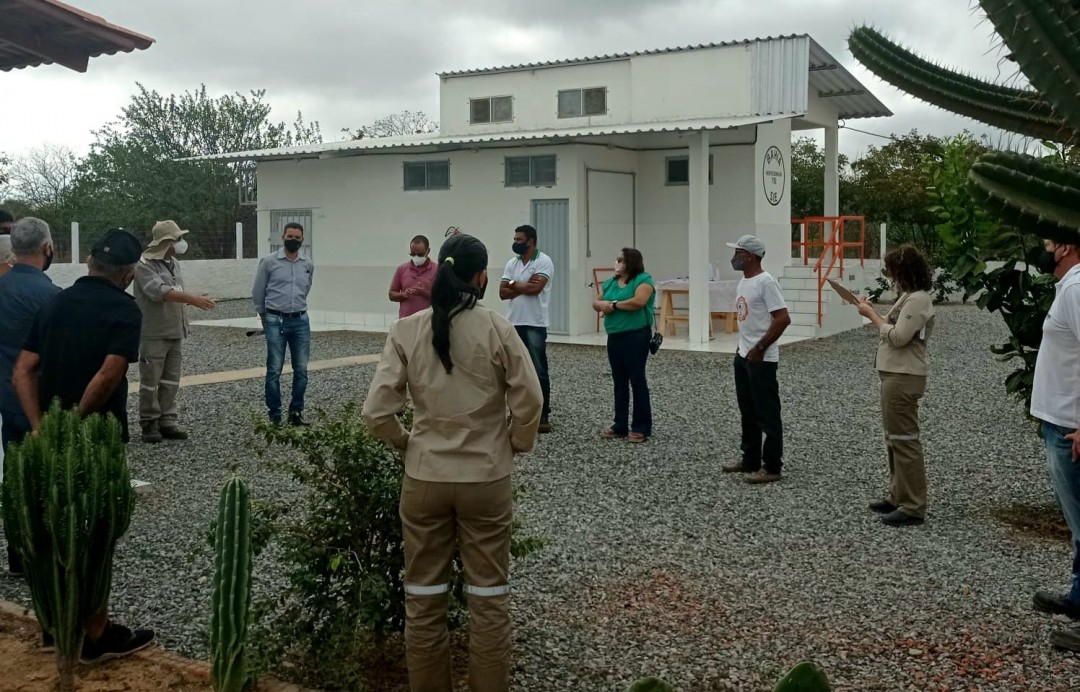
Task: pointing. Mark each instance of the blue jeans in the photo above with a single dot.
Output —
(1065, 479)
(627, 353)
(535, 339)
(294, 332)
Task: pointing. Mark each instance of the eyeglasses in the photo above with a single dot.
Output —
(618, 260)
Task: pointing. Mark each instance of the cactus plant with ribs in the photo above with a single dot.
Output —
(232, 590)
(1032, 198)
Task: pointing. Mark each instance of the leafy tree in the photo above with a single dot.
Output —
(132, 176)
(395, 125)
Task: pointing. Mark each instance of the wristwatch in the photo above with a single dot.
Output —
(614, 305)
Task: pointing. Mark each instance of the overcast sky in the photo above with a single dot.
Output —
(345, 63)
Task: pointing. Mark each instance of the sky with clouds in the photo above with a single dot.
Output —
(345, 63)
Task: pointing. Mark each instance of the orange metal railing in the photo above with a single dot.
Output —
(829, 244)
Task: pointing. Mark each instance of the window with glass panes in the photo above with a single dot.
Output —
(576, 103)
(495, 109)
(427, 175)
(522, 171)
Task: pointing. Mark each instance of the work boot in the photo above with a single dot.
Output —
(173, 432)
(545, 426)
(1067, 639)
(763, 476)
(1056, 604)
(150, 433)
(297, 420)
(901, 518)
(882, 507)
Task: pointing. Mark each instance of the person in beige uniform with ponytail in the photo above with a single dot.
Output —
(901, 365)
(462, 364)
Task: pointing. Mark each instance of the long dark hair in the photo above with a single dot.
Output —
(460, 259)
(909, 268)
(633, 262)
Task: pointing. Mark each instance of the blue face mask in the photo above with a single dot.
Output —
(520, 248)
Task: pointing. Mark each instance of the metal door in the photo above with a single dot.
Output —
(551, 219)
(278, 219)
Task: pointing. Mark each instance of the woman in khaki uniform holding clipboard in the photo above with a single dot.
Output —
(901, 365)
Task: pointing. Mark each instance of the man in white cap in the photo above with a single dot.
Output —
(159, 291)
(763, 317)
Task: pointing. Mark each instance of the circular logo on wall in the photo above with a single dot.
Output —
(742, 310)
(773, 175)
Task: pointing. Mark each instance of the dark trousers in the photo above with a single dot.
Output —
(535, 339)
(627, 353)
(759, 405)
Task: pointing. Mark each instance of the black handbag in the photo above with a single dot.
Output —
(657, 338)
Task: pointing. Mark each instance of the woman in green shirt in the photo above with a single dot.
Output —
(626, 302)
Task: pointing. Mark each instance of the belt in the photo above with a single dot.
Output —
(285, 314)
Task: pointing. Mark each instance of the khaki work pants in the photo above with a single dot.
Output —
(159, 381)
(900, 396)
(475, 518)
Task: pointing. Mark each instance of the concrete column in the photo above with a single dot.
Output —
(239, 240)
(882, 246)
(76, 258)
(832, 171)
(698, 233)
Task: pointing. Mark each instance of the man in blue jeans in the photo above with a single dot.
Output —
(1055, 400)
(282, 283)
(526, 283)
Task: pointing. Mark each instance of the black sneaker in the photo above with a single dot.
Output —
(1067, 639)
(116, 642)
(901, 518)
(275, 421)
(297, 420)
(882, 507)
(1055, 604)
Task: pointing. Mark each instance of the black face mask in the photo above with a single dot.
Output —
(48, 262)
(1047, 261)
(293, 245)
(738, 262)
(520, 248)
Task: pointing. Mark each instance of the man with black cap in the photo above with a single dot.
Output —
(78, 351)
(763, 317)
(159, 292)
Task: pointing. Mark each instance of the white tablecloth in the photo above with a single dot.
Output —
(722, 294)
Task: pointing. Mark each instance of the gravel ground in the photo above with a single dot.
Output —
(656, 562)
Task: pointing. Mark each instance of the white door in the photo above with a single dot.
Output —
(551, 219)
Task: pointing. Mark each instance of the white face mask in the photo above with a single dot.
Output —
(180, 246)
(418, 260)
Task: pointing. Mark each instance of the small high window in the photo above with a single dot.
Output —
(427, 175)
(524, 171)
(677, 170)
(576, 103)
(497, 109)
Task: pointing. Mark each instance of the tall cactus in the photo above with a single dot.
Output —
(232, 589)
(1043, 37)
(67, 501)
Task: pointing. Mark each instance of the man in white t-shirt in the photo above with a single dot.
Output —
(1055, 400)
(763, 317)
(526, 283)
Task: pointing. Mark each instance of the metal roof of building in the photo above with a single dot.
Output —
(437, 143)
(42, 32)
(827, 76)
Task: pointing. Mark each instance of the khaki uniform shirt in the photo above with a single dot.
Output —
(154, 279)
(459, 432)
(902, 347)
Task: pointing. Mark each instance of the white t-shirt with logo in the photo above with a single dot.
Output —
(529, 311)
(758, 298)
(1055, 393)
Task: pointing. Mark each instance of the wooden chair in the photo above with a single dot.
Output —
(599, 276)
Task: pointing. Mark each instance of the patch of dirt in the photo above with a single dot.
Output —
(1045, 521)
(26, 668)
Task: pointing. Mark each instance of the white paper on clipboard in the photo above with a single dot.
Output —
(844, 292)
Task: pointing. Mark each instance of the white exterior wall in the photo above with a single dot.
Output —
(711, 83)
(772, 222)
(221, 279)
(363, 219)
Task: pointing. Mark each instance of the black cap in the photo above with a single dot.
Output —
(117, 247)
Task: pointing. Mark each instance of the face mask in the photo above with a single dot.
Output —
(180, 246)
(48, 261)
(1047, 261)
(292, 245)
(738, 262)
(418, 260)
(519, 248)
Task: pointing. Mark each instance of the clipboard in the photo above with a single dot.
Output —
(844, 292)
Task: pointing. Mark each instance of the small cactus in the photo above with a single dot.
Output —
(651, 684)
(232, 590)
(804, 677)
(67, 500)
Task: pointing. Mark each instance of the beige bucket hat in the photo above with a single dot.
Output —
(165, 233)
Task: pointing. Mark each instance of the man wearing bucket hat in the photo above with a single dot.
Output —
(159, 291)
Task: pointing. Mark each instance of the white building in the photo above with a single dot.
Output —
(597, 153)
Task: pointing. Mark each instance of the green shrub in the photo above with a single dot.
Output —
(804, 677)
(651, 684)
